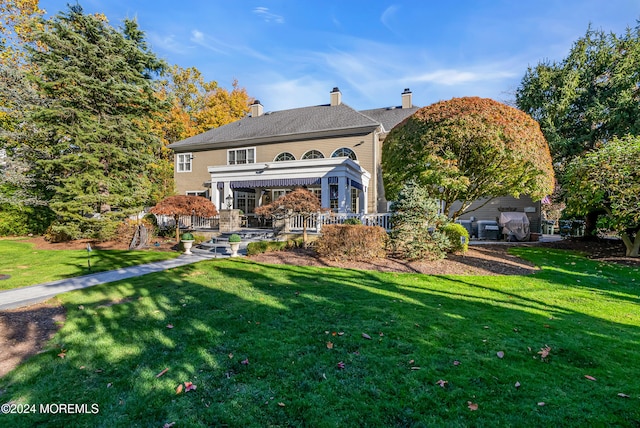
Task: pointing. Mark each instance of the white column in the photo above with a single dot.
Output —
(343, 187)
(324, 192)
(215, 195)
(364, 209)
(226, 191)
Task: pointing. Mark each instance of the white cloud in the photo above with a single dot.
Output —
(268, 16)
(450, 77)
(388, 15)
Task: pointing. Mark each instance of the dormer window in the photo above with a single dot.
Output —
(241, 156)
(313, 154)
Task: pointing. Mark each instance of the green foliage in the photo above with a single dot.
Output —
(466, 149)
(588, 97)
(607, 179)
(352, 221)
(187, 237)
(455, 232)
(268, 246)
(352, 242)
(93, 146)
(20, 221)
(415, 222)
(235, 238)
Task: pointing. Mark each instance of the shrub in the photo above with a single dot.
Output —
(351, 242)
(267, 246)
(235, 238)
(415, 221)
(62, 232)
(353, 221)
(187, 237)
(16, 221)
(454, 233)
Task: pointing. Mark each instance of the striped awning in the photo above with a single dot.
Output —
(276, 182)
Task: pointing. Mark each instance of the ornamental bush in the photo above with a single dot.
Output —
(455, 232)
(415, 221)
(352, 242)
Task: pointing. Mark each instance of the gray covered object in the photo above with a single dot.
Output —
(515, 224)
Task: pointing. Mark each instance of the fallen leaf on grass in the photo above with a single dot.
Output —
(517, 385)
(341, 333)
(456, 363)
(366, 336)
(620, 394)
(162, 372)
(109, 385)
(341, 365)
(542, 403)
(230, 355)
(63, 353)
(168, 425)
(188, 386)
(472, 406)
(590, 377)
(415, 368)
(500, 354)
(329, 345)
(281, 404)
(544, 352)
(442, 383)
(411, 361)
(169, 325)
(245, 362)
(179, 389)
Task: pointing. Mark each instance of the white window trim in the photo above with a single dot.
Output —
(312, 150)
(203, 193)
(333, 155)
(178, 162)
(281, 153)
(239, 149)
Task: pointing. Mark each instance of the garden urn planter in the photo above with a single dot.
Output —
(187, 244)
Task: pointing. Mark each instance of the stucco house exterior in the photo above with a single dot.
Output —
(332, 149)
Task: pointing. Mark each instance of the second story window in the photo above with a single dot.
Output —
(184, 162)
(313, 154)
(241, 156)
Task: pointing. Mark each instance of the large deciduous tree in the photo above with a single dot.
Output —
(607, 179)
(17, 21)
(95, 143)
(590, 96)
(467, 149)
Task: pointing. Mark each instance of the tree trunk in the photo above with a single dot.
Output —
(590, 222)
(633, 247)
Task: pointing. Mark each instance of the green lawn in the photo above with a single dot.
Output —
(273, 345)
(28, 266)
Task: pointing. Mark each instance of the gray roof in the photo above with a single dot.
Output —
(390, 116)
(295, 124)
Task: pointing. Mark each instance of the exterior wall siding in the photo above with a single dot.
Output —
(491, 211)
(362, 145)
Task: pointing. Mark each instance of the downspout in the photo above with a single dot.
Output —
(377, 166)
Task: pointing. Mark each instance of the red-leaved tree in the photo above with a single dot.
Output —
(184, 205)
(299, 202)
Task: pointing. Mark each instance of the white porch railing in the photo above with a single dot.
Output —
(315, 223)
(188, 222)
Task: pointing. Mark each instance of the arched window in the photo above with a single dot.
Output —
(345, 152)
(313, 154)
(284, 156)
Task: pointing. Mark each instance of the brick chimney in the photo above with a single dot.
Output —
(407, 102)
(256, 109)
(336, 97)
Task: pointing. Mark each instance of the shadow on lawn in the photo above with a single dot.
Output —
(202, 321)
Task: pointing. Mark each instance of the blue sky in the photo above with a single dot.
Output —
(291, 54)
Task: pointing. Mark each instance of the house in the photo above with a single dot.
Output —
(332, 149)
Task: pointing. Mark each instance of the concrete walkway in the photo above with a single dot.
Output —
(24, 296)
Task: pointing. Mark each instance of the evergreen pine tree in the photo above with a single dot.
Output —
(95, 144)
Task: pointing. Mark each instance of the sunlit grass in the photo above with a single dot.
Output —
(263, 344)
(28, 266)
